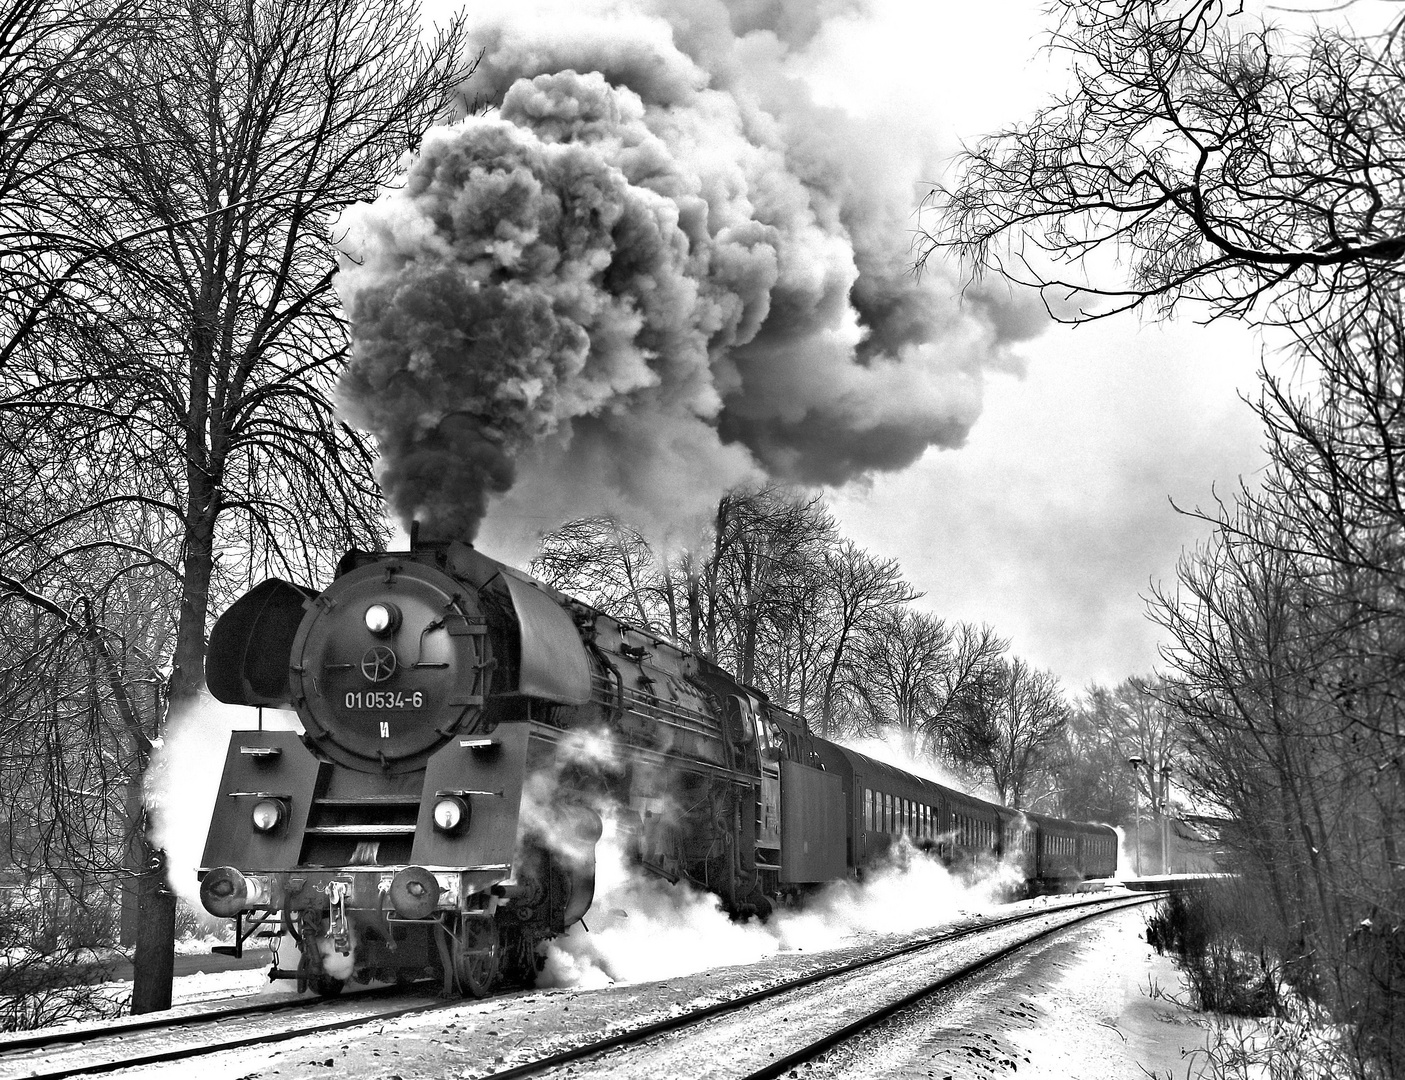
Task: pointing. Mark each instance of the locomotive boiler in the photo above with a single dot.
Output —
(466, 728)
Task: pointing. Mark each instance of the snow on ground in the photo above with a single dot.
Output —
(193, 984)
(1102, 1005)
(1095, 1003)
(213, 985)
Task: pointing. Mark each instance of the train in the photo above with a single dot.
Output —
(468, 731)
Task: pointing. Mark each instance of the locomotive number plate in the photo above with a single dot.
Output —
(384, 699)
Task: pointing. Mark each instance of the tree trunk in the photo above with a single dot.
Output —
(153, 963)
(695, 640)
(154, 960)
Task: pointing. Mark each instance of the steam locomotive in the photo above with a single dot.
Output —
(465, 729)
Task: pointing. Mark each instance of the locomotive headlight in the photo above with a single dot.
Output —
(450, 814)
(382, 619)
(268, 815)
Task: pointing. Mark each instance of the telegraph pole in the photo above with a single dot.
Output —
(1165, 819)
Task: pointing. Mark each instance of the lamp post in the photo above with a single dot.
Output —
(1136, 763)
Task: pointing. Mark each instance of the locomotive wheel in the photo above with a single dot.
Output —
(476, 951)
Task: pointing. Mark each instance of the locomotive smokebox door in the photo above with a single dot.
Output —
(389, 664)
(813, 828)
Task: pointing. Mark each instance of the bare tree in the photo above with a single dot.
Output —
(606, 563)
(1022, 715)
(767, 544)
(1108, 730)
(1221, 160)
(55, 253)
(82, 643)
(1261, 175)
(861, 589)
(1338, 447)
(233, 134)
(243, 131)
(1136, 723)
(899, 660)
(778, 597)
(972, 667)
(796, 643)
(735, 599)
(926, 680)
(1287, 675)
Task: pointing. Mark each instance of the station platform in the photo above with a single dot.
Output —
(1172, 882)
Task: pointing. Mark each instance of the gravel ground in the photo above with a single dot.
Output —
(1093, 1003)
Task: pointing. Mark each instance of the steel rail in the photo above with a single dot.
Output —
(648, 1031)
(885, 1012)
(19, 1053)
(13, 1051)
(191, 1012)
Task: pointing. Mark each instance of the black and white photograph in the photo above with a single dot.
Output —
(720, 539)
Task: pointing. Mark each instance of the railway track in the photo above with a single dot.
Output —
(657, 1049)
(809, 1014)
(191, 1032)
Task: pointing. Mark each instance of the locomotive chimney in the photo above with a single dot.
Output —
(414, 534)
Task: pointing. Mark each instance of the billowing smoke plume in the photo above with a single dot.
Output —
(656, 268)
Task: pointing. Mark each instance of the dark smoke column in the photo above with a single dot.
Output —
(530, 281)
(655, 271)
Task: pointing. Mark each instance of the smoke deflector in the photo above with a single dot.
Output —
(554, 664)
(246, 662)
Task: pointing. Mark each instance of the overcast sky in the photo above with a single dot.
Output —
(1054, 518)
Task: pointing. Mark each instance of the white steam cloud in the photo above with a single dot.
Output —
(180, 786)
(641, 928)
(890, 749)
(655, 268)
